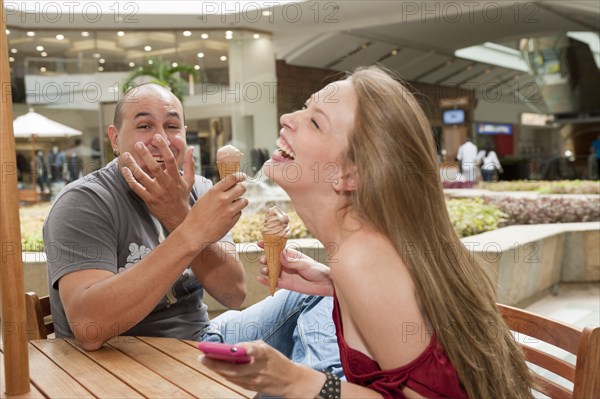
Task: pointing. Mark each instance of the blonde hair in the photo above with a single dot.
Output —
(393, 149)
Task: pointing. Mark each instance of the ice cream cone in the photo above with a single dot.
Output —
(274, 244)
(227, 168)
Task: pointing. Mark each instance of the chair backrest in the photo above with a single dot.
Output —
(38, 310)
(584, 344)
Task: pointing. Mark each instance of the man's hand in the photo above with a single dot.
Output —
(217, 210)
(164, 190)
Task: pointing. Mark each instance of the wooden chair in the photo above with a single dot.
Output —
(39, 326)
(585, 344)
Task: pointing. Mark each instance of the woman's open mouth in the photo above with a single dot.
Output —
(284, 150)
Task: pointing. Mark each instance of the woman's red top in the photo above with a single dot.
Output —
(431, 374)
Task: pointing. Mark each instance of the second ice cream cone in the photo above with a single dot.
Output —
(227, 168)
(273, 246)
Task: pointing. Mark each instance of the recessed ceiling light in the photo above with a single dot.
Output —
(148, 48)
(256, 36)
(100, 69)
(394, 51)
(266, 13)
(85, 34)
(187, 33)
(120, 33)
(11, 59)
(30, 34)
(132, 64)
(44, 54)
(150, 62)
(102, 60)
(96, 55)
(14, 50)
(223, 58)
(8, 32)
(204, 35)
(197, 67)
(39, 48)
(60, 37)
(174, 64)
(43, 69)
(200, 55)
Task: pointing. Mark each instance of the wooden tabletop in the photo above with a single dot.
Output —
(126, 367)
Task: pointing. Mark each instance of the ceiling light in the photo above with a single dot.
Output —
(100, 69)
(494, 54)
(44, 54)
(120, 33)
(30, 34)
(228, 32)
(223, 58)
(174, 64)
(8, 32)
(204, 35)
(200, 55)
(11, 59)
(85, 34)
(150, 62)
(60, 37)
(43, 69)
(266, 13)
(187, 33)
(102, 60)
(14, 50)
(40, 48)
(256, 36)
(96, 55)
(148, 48)
(394, 51)
(197, 67)
(132, 64)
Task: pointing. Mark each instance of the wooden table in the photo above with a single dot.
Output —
(126, 367)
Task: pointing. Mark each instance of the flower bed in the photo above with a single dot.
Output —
(544, 187)
(468, 216)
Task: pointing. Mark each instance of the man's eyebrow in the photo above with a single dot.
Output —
(144, 113)
(174, 114)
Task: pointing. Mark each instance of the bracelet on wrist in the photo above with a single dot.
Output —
(331, 389)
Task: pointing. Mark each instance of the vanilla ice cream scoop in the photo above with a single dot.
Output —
(228, 160)
(276, 231)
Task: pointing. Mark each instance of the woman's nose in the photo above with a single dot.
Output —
(288, 120)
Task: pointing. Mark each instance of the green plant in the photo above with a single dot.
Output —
(473, 216)
(163, 73)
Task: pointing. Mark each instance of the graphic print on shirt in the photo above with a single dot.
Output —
(184, 285)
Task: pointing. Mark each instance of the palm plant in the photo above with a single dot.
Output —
(163, 73)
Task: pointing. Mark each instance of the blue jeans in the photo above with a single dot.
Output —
(299, 326)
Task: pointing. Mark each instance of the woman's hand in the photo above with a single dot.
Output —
(299, 273)
(269, 372)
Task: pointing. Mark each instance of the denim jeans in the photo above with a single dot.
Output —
(299, 326)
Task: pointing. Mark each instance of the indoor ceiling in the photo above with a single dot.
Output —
(416, 39)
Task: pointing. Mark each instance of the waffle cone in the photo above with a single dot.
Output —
(227, 168)
(273, 247)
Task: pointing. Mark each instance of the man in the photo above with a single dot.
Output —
(132, 247)
(467, 156)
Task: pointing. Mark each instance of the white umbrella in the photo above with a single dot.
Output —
(33, 124)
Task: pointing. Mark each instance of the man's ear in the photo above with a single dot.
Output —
(113, 134)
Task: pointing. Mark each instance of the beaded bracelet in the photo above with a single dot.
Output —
(331, 388)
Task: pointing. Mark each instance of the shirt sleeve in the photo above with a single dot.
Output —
(79, 233)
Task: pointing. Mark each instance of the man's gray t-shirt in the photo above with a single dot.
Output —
(98, 222)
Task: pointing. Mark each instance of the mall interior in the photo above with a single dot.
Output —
(520, 76)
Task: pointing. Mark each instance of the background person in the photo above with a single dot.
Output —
(415, 314)
(490, 164)
(467, 156)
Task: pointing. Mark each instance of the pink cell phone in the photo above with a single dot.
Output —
(224, 352)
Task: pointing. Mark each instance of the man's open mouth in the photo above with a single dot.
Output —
(284, 149)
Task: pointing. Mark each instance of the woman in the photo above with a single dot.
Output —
(415, 315)
(490, 164)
